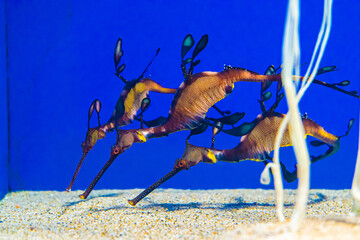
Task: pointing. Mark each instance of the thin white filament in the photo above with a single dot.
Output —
(265, 179)
(304, 171)
(327, 20)
(290, 57)
(318, 41)
(291, 52)
(265, 175)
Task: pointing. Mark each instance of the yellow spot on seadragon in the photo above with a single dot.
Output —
(130, 98)
(211, 156)
(141, 136)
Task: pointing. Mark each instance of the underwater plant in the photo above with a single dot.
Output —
(291, 60)
(133, 97)
(195, 96)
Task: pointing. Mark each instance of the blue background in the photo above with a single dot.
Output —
(60, 58)
(4, 158)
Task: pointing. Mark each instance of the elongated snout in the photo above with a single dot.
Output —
(68, 189)
(92, 135)
(147, 191)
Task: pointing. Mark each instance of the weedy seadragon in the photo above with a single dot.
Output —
(195, 96)
(133, 97)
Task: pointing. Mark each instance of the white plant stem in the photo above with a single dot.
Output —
(291, 60)
(265, 179)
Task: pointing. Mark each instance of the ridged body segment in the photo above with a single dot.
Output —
(262, 138)
(199, 93)
(194, 99)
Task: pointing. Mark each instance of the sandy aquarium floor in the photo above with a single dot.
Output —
(173, 214)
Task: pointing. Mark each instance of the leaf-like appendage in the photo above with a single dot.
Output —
(156, 122)
(118, 52)
(343, 83)
(326, 69)
(351, 123)
(232, 119)
(270, 70)
(187, 44)
(97, 105)
(120, 69)
(196, 63)
(317, 143)
(200, 45)
(145, 104)
(242, 130)
(281, 96)
(91, 109)
(188, 60)
(202, 128)
(266, 96)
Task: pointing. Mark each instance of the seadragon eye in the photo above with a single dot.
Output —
(181, 164)
(115, 150)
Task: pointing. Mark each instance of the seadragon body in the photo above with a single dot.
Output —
(260, 141)
(197, 95)
(128, 104)
(254, 146)
(125, 110)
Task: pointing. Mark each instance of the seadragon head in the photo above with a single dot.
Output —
(194, 155)
(92, 135)
(125, 139)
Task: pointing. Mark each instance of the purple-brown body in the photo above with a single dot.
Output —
(254, 146)
(129, 103)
